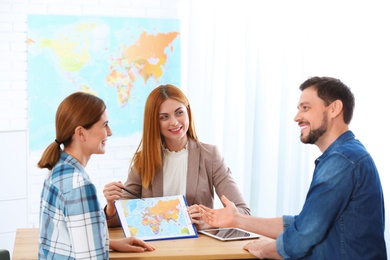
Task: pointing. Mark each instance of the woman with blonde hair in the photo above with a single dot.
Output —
(170, 160)
(72, 223)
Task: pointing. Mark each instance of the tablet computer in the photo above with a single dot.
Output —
(228, 234)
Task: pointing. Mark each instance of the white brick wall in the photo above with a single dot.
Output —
(20, 179)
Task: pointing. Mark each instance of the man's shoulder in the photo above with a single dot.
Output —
(350, 149)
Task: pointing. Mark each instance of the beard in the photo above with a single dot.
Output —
(315, 134)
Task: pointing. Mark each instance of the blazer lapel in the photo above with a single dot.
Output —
(193, 170)
(157, 184)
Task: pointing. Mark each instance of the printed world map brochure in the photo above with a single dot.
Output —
(156, 218)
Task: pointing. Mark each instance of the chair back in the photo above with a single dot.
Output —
(4, 254)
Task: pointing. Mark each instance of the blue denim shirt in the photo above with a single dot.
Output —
(343, 216)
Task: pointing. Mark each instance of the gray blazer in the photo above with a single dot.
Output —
(206, 171)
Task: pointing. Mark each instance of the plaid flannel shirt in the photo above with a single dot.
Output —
(72, 223)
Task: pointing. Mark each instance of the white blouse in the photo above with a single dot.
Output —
(175, 168)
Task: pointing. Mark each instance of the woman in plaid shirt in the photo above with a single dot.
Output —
(72, 223)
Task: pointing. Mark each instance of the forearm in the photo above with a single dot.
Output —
(112, 221)
(263, 248)
(110, 210)
(270, 251)
(269, 227)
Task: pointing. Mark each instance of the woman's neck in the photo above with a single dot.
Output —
(176, 145)
(80, 157)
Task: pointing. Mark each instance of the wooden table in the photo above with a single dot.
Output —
(203, 247)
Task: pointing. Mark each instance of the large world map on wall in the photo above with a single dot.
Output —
(118, 59)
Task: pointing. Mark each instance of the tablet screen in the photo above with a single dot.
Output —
(226, 234)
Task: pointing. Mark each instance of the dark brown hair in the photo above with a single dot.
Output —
(331, 89)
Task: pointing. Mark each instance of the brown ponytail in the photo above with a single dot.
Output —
(78, 109)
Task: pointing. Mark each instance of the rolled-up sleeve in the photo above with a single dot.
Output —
(287, 221)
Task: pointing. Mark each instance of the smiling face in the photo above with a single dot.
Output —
(312, 117)
(96, 136)
(174, 123)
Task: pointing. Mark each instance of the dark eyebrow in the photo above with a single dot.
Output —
(177, 109)
(302, 104)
